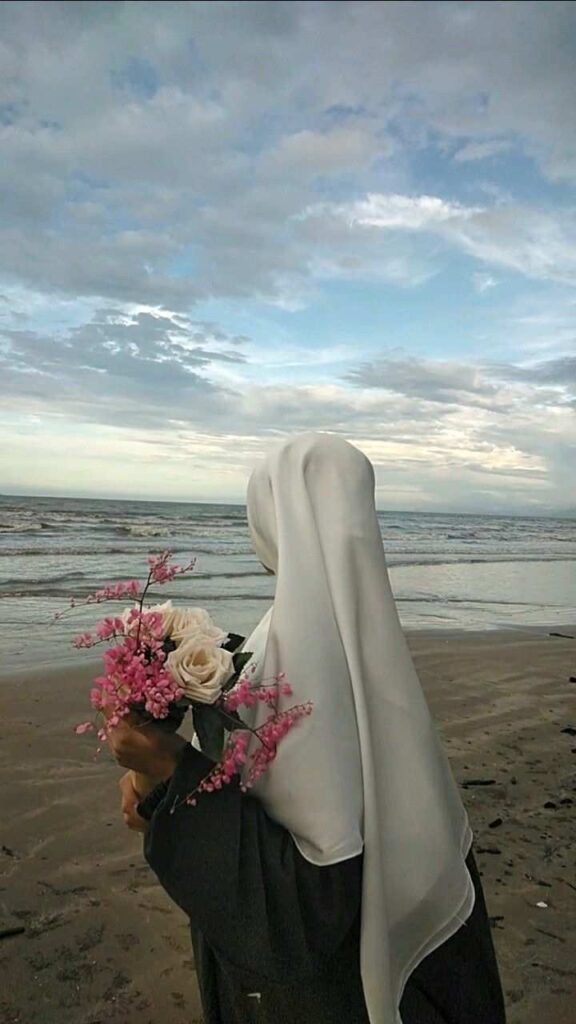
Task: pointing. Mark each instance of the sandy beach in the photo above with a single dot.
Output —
(88, 936)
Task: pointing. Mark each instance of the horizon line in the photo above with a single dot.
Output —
(542, 514)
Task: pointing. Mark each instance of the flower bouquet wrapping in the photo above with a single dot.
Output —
(162, 662)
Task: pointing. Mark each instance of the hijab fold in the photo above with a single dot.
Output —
(366, 771)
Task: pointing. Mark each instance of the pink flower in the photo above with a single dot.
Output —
(107, 628)
(270, 734)
(115, 592)
(161, 572)
(84, 727)
(84, 640)
(137, 672)
(248, 695)
(235, 758)
(132, 676)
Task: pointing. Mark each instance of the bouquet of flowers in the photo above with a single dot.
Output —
(163, 661)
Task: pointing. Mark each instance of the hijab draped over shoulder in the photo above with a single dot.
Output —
(366, 771)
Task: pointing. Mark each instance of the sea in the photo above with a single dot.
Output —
(448, 572)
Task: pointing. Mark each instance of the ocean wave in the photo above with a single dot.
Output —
(205, 599)
(142, 531)
(46, 579)
(404, 562)
(255, 573)
(395, 560)
(492, 602)
(9, 528)
(139, 550)
(228, 551)
(42, 592)
(64, 551)
(214, 520)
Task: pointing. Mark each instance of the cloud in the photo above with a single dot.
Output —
(540, 324)
(532, 242)
(318, 153)
(485, 385)
(143, 158)
(158, 159)
(427, 454)
(481, 150)
(483, 282)
(561, 372)
(144, 369)
(490, 436)
(443, 382)
(478, 424)
(405, 213)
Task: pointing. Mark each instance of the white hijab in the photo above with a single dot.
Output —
(366, 770)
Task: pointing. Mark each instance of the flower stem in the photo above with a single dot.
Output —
(141, 605)
(244, 727)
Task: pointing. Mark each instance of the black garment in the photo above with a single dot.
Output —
(276, 939)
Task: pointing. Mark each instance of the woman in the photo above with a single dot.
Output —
(343, 890)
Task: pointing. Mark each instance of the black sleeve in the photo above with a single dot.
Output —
(242, 881)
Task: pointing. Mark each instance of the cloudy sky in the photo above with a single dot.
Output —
(222, 223)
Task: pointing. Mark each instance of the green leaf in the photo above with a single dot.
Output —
(237, 722)
(182, 704)
(233, 642)
(209, 728)
(171, 723)
(240, 660)
(230, 683)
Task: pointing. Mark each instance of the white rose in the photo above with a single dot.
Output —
(166, 609)
(186, 623)
(200, 668)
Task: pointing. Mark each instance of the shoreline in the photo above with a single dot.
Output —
(96, 939)
(11, 669)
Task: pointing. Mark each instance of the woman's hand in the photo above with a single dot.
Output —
(130, 799)
(145, 748)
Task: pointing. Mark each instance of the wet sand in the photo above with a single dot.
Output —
(88, 937)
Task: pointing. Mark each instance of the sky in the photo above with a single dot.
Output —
(222, 224)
